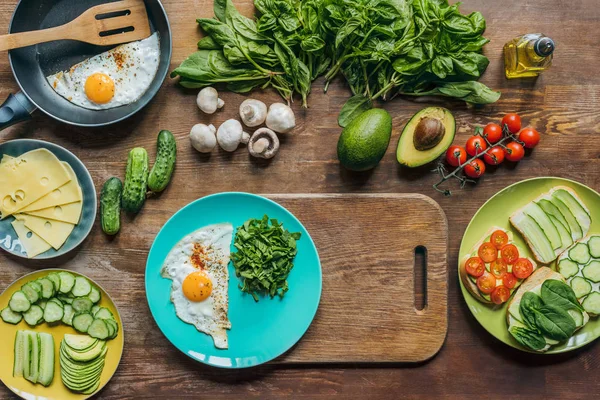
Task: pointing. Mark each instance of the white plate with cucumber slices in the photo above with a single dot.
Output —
(573, 246)
(63, 336)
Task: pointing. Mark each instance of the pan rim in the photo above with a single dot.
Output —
(139, 106)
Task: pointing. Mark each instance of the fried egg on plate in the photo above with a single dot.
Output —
(115, 78)
(197, 265)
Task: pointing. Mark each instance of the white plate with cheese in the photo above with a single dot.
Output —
(47, 199)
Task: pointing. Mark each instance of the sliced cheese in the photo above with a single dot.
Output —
(5, 158)
(70, 213)
(32, 243)
(69, 193)
(54, 232)
(27, 178)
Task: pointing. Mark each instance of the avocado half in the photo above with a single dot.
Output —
(426, 136)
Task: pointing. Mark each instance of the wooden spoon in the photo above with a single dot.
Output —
(106, 24)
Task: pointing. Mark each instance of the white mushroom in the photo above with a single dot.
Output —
(208, 100)
(230, 134)
(253, 112)
(203, 137)
(280, 118)
(263, 143)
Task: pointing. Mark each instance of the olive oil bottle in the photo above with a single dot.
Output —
(528, 55)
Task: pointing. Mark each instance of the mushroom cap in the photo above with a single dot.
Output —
(203, 138)
(280, 118)
(253, 112)
(230, 134)
(208, 100)
(264, 143)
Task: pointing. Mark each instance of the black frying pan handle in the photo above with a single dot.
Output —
(16, 108)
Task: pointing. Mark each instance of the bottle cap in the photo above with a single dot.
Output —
(544, 47)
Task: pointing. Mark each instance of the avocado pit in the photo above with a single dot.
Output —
(429, 132)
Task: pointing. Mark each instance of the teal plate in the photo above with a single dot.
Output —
(260, 331)
(8, 237)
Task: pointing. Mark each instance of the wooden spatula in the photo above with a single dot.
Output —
(106, 24)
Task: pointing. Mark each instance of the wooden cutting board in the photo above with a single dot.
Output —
(369, 311)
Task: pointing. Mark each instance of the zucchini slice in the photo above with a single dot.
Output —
(34, 316)
(82, 322)
(580, 286)
(591, 304)
(594, 245)
(11, 317)
(82, 287)
(580, 253)
(592, 271)
(568, 268)
(67, 281)
(53, 312)
(19, 302)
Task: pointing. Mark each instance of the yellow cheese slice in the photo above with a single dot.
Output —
(29, 177)
(32, 243)
(54, 232)
(70, 213)
(5, 158)
(69, 193)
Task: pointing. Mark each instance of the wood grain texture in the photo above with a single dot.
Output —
(367, 244)
(563, 104)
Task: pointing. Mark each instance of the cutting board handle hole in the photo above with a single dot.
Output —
(420, 278)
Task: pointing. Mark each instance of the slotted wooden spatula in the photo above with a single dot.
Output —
(106, 24)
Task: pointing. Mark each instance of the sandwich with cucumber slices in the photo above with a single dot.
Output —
(580, 266)
(544, 311)
(551, 223)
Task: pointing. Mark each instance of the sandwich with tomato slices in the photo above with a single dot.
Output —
(495, 267)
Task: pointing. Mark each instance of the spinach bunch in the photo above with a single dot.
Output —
(264, 257)
(547, 315)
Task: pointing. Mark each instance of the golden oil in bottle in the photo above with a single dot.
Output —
(528, 55)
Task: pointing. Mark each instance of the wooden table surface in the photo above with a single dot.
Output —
(563, 104)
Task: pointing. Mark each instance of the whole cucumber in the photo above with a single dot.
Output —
(166, 153)
(136, 180)
(110, 206)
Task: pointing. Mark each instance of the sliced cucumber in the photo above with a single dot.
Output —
(47, 288)
(21, 347)
(568, 268)
(82, 287)
(65, 299)
(98, 329)
(34, 316)
(542, 219)
(26, 357)
(535, 237)
(53, 276)
(577, 316)
(580, 253)
(581, 214)
(580, 286)
(594, 245)
(82, 322)
(67, 281)
(591, 304)
(96, 308)
(68, 315)
(46, 370)
(115, 327)
(10, 316)
(37, 286)
(553, 211)
(104, 313)
(53, 312)
(19, 302)
(94, 295)
(576, 232)
(31, 292)
(82, 304)
(42, 303)
(565, 235)
(592, 271)
(79, 343)
(57, 302)
(34, 358)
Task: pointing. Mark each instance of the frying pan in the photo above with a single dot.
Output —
(31, 65)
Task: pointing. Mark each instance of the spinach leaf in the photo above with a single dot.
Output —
(554, 322)
(560, 295)
(220, 32)
(528, 338)
(530, 303)
(208, 43)
(219, 7)
(355, 106)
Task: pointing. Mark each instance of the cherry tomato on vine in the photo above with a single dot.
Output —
(500, 295)
(475, 168)
(476, 145)
(514, 151)
(530, 137)
(513, 121)
(494, 156)
(493, 132)
(456, 155)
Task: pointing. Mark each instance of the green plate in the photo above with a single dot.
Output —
(495, 212)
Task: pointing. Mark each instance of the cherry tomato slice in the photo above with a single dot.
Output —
(500, 295)
(509, 253)
(486, 283)
(513, 121)
(487, 252)
(475, 267)
(498, 268)
(522, 268)
(509, 280)
(499, 239)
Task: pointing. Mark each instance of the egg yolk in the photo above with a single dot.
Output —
(99, 88)
(197, 286)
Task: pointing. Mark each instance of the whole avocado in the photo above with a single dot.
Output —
(364, 141)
